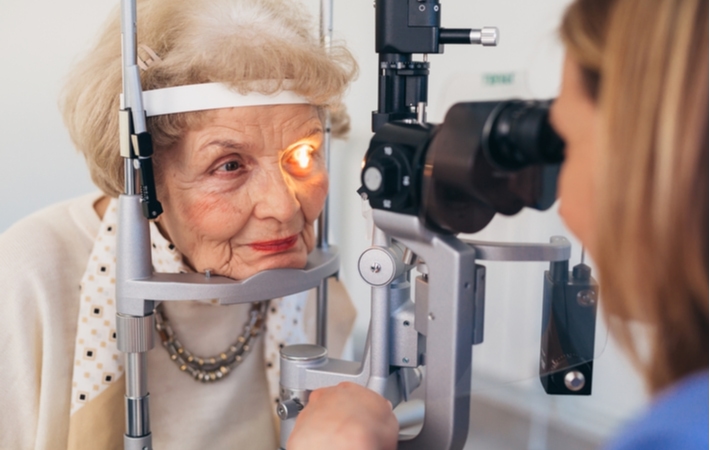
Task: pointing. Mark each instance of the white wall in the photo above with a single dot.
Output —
(39, 39)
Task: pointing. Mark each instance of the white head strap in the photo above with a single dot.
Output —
(200, 97)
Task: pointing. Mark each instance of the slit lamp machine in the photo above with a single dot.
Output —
(425, 184)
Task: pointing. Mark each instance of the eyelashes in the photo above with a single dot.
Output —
(230, 166)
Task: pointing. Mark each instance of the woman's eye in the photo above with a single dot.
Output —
(300, 159)
(230, 166)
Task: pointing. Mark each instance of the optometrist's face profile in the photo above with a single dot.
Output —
(241, 193)
(575, 117)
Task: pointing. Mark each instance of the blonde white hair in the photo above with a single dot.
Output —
(240, 43)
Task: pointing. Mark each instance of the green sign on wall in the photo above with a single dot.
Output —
(498, 79)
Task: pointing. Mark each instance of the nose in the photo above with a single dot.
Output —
(275, 196)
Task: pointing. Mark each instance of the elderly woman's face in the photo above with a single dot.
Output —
(241, 193)
(574, 116)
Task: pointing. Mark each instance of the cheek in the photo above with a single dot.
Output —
(217, 217)
(576, 192)
(205, 218)
(312, 194)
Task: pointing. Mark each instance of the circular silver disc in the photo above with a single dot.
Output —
(372, 178)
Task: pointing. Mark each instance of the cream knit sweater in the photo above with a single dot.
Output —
(42, 260)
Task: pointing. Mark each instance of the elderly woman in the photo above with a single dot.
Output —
(241, 188)
(633, 112)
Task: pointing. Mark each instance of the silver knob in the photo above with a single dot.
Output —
(489, 36)
(378, 266)
(574, 380)
(288, 409)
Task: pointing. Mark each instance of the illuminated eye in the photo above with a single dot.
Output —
(302, 156)
(300, 160)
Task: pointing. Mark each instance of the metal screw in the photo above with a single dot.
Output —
(375, 267)
(208, 273)
(574, 380)
(587, 297)
(422, 8)
(431, 316)
(405, 360)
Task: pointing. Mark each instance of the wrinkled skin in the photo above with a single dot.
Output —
(241, 193)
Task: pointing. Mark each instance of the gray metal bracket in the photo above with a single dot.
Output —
(322, 263)
(559, 249)
(448, 310)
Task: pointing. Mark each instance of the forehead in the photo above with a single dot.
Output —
(281, 118)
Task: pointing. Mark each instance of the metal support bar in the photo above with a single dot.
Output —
(326, 36)
(449, 329)
(559, 249)
(137, 416)
(322, 313)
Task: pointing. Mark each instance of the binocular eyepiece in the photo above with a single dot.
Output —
(519, 134)
(485, 158)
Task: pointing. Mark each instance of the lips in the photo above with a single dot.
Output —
(278, 245)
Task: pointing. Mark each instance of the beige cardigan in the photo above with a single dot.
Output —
(42, 261)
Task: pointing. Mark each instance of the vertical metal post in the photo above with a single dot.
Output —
(134, 321)
(137, 417)
(379, 326)
(129, 58)
(135, 339)
(129, 175)
(326, 36)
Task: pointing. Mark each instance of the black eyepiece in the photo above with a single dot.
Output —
(519, 134)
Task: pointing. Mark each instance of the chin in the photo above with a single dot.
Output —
(276, 261)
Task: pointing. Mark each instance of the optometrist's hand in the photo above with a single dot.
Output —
(345, 417)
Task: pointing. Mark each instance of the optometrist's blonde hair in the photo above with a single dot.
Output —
(652, 224)
(583, 32)
(235, 42)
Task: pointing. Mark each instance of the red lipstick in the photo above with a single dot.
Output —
(278, 245)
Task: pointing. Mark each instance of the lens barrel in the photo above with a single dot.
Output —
(485, 158)
(518, 133)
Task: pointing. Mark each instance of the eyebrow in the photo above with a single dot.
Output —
(312, 132)
(229, 144)
(241, 146)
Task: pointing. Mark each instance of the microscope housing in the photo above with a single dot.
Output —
(485, 158)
